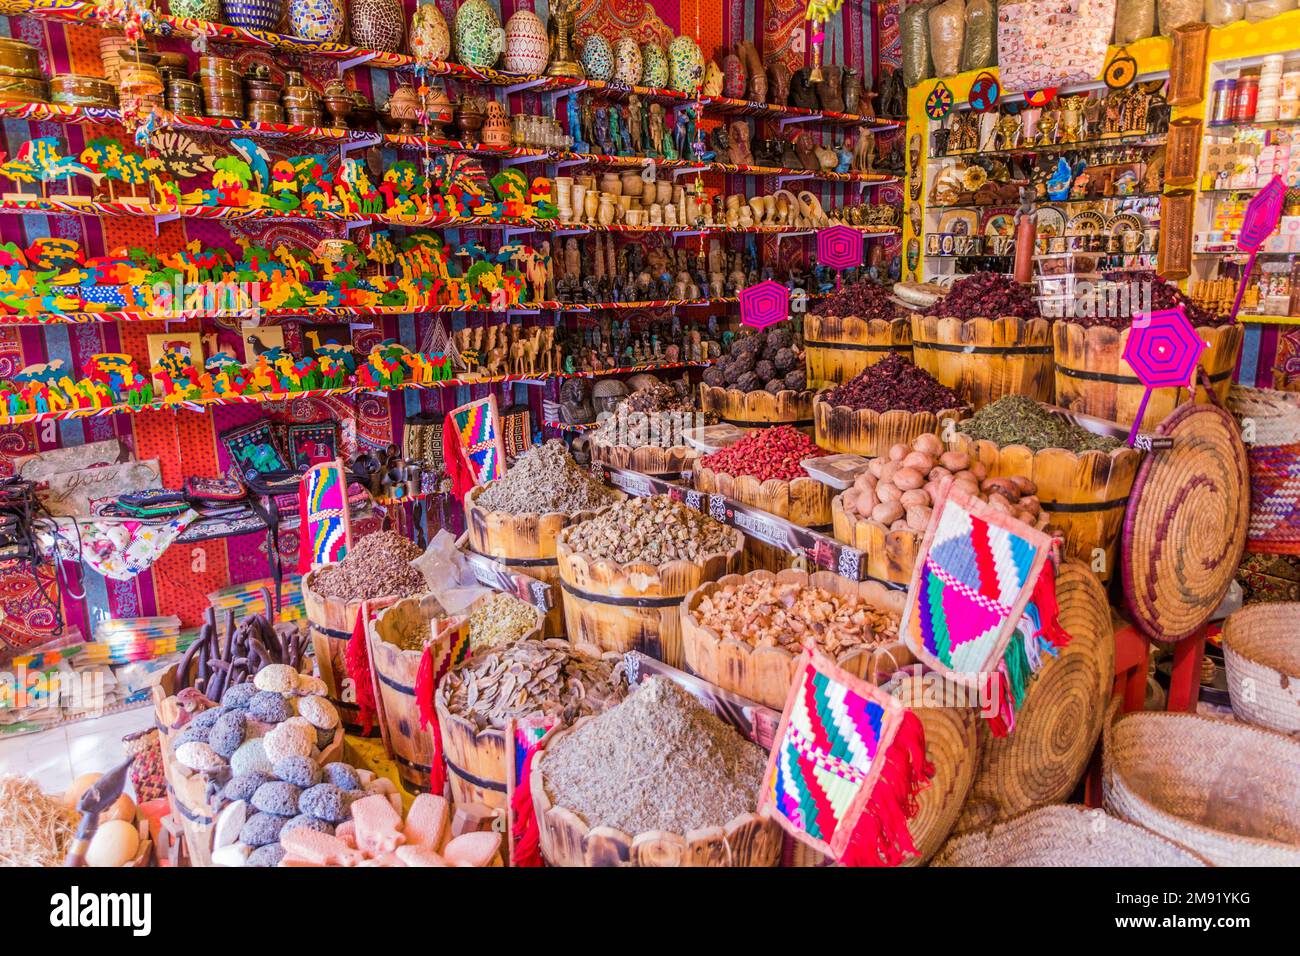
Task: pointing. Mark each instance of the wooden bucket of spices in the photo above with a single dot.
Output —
(634, 606)
(194, 795)
(1092, 377)
(647, 459)
(802, 501)
(758, 409)
(396, 640)
(523, 542)
(837, 348)
(863, 431)
(330, 622)
(763, 673)
(983, 359)
(566, 840)
(1086, 493)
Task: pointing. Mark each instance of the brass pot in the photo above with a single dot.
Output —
(68, 89)
(21, 89)
(19, 59)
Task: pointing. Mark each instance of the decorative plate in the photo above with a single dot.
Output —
(1000, 224)
(1121, 71)
(939, 103)
(1125, 222)
(960, 222)
(1087, 223)
(985, 92)
(1050, 221)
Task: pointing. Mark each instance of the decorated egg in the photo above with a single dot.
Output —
(685, 65)
(317, 20)
(479, 37)
(429, 38)
(527, 49)
(654, 66)
(597, 58)
(627, 62)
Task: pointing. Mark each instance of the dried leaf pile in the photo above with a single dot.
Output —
(35, 828)
(379, 565)
(767, 613)
(544, 480)
(533, 677)
(498, 619)
(658, 761)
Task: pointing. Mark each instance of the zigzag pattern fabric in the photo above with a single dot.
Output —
(327, 503)
(970, 581)
(478, 438)
(832, 736)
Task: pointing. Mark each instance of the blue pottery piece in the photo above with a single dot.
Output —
(254, 14)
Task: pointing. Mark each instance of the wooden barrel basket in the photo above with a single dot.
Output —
(523, 543)
(1065, 835)
(1262, 654)
(861, 431)
(1086, 493)
(1228, 792)
(330, 622)
(746, 840)
(837, 348)
(394, 671)
(764, 674)
(759, 409)
(802, 501)
(195, 796)
(1093, 378)
(984, 359)
(634, 607)
(647, 459)
(1057, 726)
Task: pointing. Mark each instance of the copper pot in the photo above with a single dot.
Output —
(69, 89)
(21, 89)
(19, 59)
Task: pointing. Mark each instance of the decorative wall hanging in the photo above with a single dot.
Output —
(985, 92)
(1052, 44)
(1188, 61)
(1120, 71)
(1041, 98)
(939, 103)
(1183, 151)
(1177, 214)
(325, 525)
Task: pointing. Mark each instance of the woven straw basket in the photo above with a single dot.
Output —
(1270, 422)
(1064, 835)
(1261, 648)
(1228, 792)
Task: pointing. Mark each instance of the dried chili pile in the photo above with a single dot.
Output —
(765, 454)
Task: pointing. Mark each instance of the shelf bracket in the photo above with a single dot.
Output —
(522, 160)
(688, 170)
(526, 85)
(351, 146)
(782, 180)
(161, 218)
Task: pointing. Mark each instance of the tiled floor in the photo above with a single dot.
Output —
(54, 758)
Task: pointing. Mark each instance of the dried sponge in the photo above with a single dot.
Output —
(238, 696)
(227, 733)
(243, 786)
(300, 771)
(276, 678)
(292, 738)
(318, 712)
(310, 684)
(268, 855)
(200, 757)
(324, 802)
(268, 706)
(250, 757)
(277, 797)
(342, 775)
(311, 823)
(261, 829)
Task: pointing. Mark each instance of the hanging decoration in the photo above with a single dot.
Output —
(1121, 71)
(1261, 219)
(939, 103)
(818, 12)
(985, 92)
(1163, 349)
(1040, 98)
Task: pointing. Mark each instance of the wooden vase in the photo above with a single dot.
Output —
(861, 431)
(1092, 377)
(838, 348)
(634, 607)
(984, 359)
(763, 674)
(567, 840)
(760, 409)
(523, 543)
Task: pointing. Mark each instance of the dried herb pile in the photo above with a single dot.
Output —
(542, 480)
(1164, 295)
(894, 384)
(652, 530)
(658, 761)
(379, 565)
(1016, 420)
(865, 299)
(987, 295)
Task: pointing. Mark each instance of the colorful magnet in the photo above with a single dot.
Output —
(939, 103)
(1121, 71)
(985, 92)
(1041, 98)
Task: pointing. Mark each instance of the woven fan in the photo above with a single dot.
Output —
(982, 607)
(846, 765)
(473, 445)
(325, 525)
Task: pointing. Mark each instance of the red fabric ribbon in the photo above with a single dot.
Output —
(426, 681)
(527, 848)
(357, 660)
(881, 837)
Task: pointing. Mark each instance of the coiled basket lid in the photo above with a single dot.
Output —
(1261, 649)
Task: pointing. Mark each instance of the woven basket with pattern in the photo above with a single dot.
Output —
(1261, 649)
(1270, 422)
(1228, 792)
(1064, 835)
